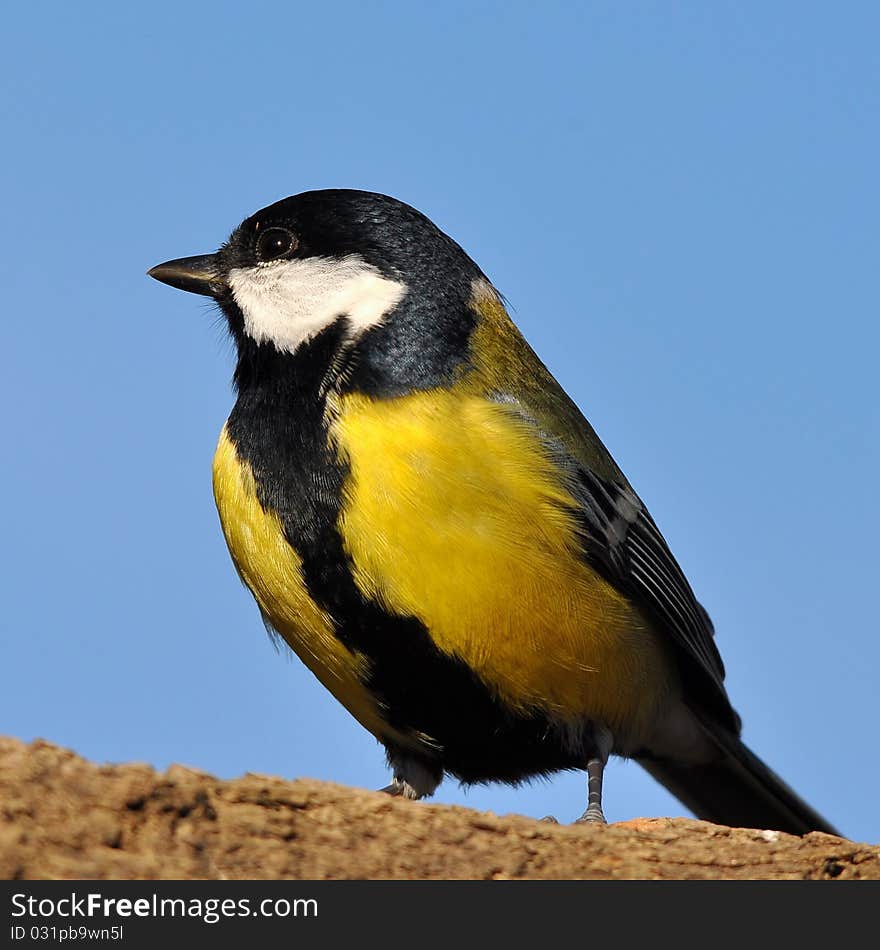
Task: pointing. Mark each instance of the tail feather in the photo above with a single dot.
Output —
(736, 788)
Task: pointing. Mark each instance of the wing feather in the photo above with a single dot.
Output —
(623, 543)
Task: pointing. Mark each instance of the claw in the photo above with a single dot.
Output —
(401, 789)
(394, 789)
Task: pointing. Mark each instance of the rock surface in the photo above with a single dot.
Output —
(64, 817)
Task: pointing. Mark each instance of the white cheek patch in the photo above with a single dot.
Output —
(289, 302)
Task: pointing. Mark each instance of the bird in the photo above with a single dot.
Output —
(430, 523)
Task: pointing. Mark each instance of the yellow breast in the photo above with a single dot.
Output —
(454, 514)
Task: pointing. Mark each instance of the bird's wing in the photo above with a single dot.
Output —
(620, 539)
(623, 543)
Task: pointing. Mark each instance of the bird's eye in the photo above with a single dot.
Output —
(274, 243)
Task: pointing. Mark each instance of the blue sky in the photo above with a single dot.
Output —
(680, 201)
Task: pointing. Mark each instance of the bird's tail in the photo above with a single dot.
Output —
(736, 788)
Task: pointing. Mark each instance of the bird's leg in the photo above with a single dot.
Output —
(595, 771)
(594, 813)
(603, 744)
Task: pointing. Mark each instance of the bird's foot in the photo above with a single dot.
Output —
(592, 816)
(401, 789)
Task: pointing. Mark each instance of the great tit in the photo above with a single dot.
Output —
(430, 523)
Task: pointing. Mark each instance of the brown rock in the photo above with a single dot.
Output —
(64, 817)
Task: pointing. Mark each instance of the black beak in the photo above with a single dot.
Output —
(197, 275)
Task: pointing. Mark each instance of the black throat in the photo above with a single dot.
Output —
(279, 425)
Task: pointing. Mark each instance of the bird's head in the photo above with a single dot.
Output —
(371, 277)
